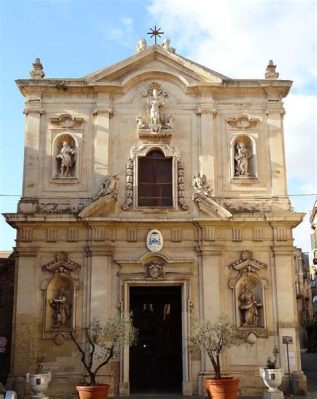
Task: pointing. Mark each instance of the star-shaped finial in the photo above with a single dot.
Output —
(155, 32)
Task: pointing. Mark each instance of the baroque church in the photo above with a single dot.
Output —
(155, 186)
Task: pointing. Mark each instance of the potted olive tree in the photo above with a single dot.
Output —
(212, 338)
(103, 343)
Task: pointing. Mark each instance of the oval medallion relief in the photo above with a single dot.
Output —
(154, 241)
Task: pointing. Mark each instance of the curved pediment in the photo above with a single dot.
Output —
(155, 60)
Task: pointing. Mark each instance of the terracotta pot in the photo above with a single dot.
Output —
(223, 388)
(93, 392)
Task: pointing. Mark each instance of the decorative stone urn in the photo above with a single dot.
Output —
(272, 378)
(38, 384)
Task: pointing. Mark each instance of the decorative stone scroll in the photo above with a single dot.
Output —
(248, 285)
(129, 185)
(180, 186)
(104, 200)
(155, 124)
(243, 122)
(60, 296)
(66, 121)
(202, 197)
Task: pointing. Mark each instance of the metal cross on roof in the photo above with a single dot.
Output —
(155, 32)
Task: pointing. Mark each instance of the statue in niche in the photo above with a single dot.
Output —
(67, 156)
(249, 306)
(109, 186)
(242, 157)
(61, 311)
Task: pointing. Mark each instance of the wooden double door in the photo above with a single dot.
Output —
(156, 359)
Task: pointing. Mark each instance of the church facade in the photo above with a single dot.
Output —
(155, 186)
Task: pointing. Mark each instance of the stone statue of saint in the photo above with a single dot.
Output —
(61, 309)
(249, 307)
(155, 105)
(68, 158)
(242, 157)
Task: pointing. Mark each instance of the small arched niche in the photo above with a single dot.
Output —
(250, 302)
(65, 156)
(243, 158)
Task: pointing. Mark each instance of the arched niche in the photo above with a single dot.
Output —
(243, 151)
(65, 156)
(60, 294)
(248, 284)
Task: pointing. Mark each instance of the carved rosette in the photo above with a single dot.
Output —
(154, 271)
(129, 186)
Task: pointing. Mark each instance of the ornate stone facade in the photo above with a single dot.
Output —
(214, 190)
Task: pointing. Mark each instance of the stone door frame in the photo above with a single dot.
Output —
(187, 387)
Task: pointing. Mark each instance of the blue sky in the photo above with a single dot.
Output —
(237, 38)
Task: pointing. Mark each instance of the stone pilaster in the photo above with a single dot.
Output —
(102, 114)
(283, 266)
(33, 112)
(275, 112)
(207, 113)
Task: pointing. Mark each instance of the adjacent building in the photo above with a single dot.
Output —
(156, 186)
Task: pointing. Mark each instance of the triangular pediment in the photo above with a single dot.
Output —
(155, 59)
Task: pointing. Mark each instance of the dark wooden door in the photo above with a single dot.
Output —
(156, 360)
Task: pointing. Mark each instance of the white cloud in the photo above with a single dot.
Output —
(300, 129)
(237, 38)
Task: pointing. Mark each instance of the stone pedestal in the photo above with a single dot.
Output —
(273, 395)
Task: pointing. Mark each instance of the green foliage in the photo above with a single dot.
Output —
(104, 341)
(212, 338)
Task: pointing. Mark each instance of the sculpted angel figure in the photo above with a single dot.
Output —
(108, 186)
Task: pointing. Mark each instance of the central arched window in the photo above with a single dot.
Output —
(155, 180)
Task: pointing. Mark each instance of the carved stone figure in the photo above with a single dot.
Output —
(67, 156)
(242, 157)
(37, 71)
(61, 309)
(270, 71)
(170, 122)
(155, 105)
(201, 186)
(141, 45)
(109, 186)
(140, 124)
(249, 306)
